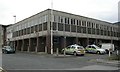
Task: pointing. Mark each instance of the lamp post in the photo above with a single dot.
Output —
(12, 29)
(51, 26)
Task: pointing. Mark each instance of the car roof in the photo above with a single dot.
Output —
(92, 45)
(76, 45)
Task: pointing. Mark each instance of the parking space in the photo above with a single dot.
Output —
(28, 61)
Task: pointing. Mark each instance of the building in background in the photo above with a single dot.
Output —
(1, 41)
(33, 34)
(3, 34)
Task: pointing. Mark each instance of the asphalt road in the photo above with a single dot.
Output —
(29, 61)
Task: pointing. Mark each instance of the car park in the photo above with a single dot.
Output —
(94, 49)
(74, 49)
(8, 49)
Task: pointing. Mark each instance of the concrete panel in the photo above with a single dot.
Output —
(72, 34)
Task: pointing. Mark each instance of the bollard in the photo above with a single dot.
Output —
(64, 52)
(117, 52)
(45, 49)
(109, 54)
(110, 50)
(57, 51)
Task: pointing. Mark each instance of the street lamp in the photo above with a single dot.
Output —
(51, 27)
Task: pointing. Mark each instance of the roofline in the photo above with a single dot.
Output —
(66, 13)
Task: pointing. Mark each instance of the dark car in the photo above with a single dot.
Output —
(8, 49)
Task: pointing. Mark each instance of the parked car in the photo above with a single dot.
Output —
(8, 49)
(94, 49)
(108, 47)
(74, 49)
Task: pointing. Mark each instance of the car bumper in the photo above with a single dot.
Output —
(102, 52)
(81, 52)
(10, 51)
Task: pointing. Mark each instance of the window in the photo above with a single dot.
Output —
(88, 24)
(61, 20)
(55, 18)
(68, 20)
(46, 18)
(65, 20)
(73, 28)
(92, 25)
(40, 27)
(72, 21)
(67, 27)
(36, 28)
(97, 26)
(32, 29)
(83, 23)
(54, 25)
(60, 27)
(77, 22)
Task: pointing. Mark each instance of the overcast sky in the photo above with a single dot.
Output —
(106, 10)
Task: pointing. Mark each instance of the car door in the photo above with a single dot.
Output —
(88, 49)
(72, 49)
(93, 49)
(67, 49)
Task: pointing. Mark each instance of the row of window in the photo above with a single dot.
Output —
(60, 19)
(65, 27)
(27, 23)
(66, 20)
(33, 29)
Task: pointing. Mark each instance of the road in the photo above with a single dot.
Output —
(30, 61)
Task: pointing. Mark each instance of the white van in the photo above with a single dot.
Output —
(108, 47)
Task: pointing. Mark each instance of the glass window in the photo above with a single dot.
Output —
(60, 26)
(79, 22)
(65, 20)
(68, 20)
(72, 21)
(46, 18)
(83, 23)
(61, 20)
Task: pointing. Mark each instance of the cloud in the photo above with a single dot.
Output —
(100, 9)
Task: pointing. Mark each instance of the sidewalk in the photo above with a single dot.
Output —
(108, 61)
(55, 55)
(95, 67)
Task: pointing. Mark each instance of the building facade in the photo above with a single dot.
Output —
(3, 34)
(33, 34)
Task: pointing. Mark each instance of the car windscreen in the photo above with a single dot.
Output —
(97, 47)
(80, 47)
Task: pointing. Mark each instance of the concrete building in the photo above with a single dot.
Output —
(33, 34)
(3, 34)
(1, 41)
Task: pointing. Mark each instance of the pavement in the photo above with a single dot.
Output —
(95, 67)
(59, 62)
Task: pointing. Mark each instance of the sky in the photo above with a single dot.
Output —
(106, 10)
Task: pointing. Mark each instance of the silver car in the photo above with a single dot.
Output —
(74, 49)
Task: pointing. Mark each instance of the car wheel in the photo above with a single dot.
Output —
(98, 52)
(5, 52)
(75, 54)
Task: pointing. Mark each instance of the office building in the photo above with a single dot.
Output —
(33, 34)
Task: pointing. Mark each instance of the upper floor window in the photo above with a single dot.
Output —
(83, 23)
